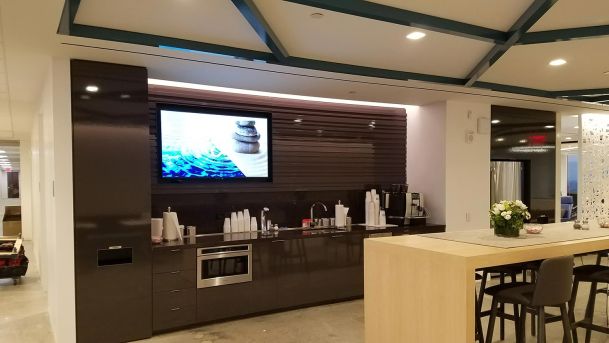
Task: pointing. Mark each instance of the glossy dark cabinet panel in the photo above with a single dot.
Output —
(169, 260)
(111, 165)
(290, 273)
(173, 309)
(178, 279)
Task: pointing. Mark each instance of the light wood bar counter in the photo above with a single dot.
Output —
(421, 290)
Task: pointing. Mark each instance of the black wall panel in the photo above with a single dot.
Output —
(111, 164)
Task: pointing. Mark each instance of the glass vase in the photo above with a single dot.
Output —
(508, 228)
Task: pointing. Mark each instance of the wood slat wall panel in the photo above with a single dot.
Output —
(346, 155)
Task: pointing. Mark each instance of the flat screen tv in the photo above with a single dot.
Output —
(199, 144)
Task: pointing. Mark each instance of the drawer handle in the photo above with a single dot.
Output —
(176, 272)
(176, 309)
(175, 250)
(175, 291)
(278, 241)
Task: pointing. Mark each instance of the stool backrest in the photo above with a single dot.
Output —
(554, 282)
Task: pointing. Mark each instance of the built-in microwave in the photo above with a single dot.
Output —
(224, 265)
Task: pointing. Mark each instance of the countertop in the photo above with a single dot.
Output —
(285, 234)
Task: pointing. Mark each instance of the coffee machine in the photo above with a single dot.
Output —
(403, 207)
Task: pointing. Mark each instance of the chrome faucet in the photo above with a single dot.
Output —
(263, 214)
(313, 207)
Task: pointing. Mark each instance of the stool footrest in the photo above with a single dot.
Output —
(594, 327)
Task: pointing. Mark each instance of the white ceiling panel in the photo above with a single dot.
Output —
(209, 21)
(527, 65)
(574, 13)
(349, 39)
(496, 14)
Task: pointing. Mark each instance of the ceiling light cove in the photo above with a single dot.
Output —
(549, 126)
(557, 62)
(416, 35)
(500, 139)
(495, 121)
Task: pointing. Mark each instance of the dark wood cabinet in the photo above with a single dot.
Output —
(174, 283)
(172, 259)
(290, 273)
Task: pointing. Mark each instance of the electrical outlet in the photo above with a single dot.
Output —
(469, 136)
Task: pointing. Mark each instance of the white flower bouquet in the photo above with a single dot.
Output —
(507, 217)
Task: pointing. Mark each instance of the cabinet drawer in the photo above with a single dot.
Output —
(179, 279)
(174, 309)
(168, 260)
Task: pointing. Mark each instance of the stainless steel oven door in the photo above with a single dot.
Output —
(225, 265)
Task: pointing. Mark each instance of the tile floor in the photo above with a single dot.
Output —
(23, 319)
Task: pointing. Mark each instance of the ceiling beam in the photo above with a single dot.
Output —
(512, 89)
(580, 92)
(162, 41)
(351, 69)
(376, 11)
(68, 16)
(522, 25)
(252, 14)
(562, 35)
(599, 98)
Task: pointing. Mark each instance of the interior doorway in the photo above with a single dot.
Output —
(510, 181)
(10, 195)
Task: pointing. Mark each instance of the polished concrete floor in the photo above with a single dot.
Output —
(23, 308)
(23, 319)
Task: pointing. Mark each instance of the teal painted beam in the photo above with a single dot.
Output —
(522, 25)
(600, 98)
(513, 89)
(376, 11)
(157, 41)
(342, 68)
(562, 35)
(68, 15)
(252, 14)
(581, 92)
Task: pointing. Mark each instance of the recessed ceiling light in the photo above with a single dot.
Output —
(522, 141)
(549, 126)
(568, 138)
(500, 139)
(495, 121)
(317, 15)
(576, 127)
(557, 62)
(298, 120)
(92, 89)
(416, 35)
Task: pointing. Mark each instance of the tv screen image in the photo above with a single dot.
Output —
(214, 145)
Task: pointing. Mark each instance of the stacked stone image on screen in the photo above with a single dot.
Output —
(246, 137)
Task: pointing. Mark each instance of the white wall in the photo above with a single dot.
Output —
(467, 167)
(52, 157)
(25, 188)
(426, 152)
(453, 175)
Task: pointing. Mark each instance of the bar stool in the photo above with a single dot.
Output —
(593, 274)
(511, 270)
(551, 289)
